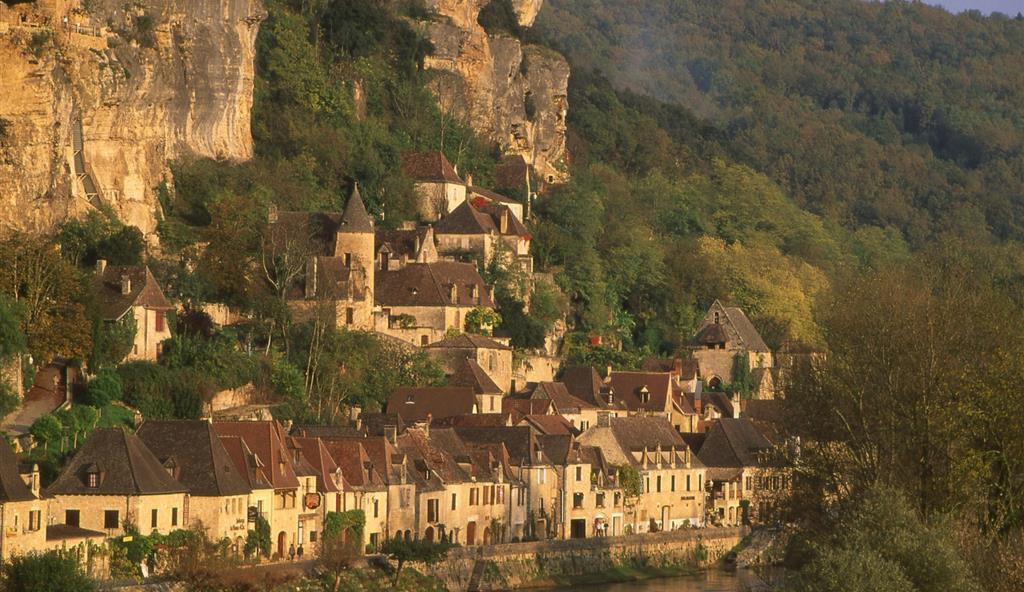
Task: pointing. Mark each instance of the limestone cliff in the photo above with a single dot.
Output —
(96, 97)
(514, 94)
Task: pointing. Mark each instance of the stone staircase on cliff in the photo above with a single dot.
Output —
(82, 170)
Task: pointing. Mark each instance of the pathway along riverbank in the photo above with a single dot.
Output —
(546, 564)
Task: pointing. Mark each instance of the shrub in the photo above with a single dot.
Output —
(104, 389)
(258, 539)
(53, 571)
(39, 41)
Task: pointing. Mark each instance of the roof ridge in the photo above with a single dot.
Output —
(131, 461)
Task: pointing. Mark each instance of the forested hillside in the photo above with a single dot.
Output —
(892, 114)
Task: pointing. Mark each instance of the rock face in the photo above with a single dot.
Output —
(93, 104)
(514, 94)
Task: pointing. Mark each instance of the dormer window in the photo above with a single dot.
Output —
(410, 399)
(645, 395)
(474, 292)
(454, 294)
(93, 476)
(718, 318)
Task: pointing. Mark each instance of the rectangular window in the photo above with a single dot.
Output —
(432, 510)
(159, 321)
(111, 519)
(454, 502)
(376, 508)
(472, 496)
(71, 517)
(153, 518)
(647, 484)
(312, 536)
(579, 473)
(174, 516)
(672, 487)
(687, 483)
(350, 316)
(577, 500)
(34, 520)
(348, 259)
(657, 483)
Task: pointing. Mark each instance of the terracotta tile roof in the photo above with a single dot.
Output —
(559, 395)
(429, 284)
(583, 382)
(429, 166)
(733, 443)
(357, 469)
(637, 433)
(316, 454)
(490, 195)
(124, 464)
(432, 450)
(550, 425)
(12, 488)
(512, 172)
(469, 373)
(266, 440)
(519, 408)
(328, 431)
(627, 386)
(202, 463)
(468, 341)
(246, 463)
(143, 291)
(415, 403)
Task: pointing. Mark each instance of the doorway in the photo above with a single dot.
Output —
(578, 528)
(471, 533)
(282, 540)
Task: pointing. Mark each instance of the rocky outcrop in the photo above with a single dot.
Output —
(514, 94)
(93, 104)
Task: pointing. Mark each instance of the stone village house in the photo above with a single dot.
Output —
(131, 293)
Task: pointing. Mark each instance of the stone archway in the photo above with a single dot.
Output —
(282, 542)
(471, 533)
(487, 536)
(428, 534)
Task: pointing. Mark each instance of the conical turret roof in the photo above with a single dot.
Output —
(355, 218)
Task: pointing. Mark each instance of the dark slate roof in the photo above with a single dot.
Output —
(518, 440)
(479, 216)
(733, 443)
(473, 419)
(720, 401)
(334, 280)
(319, 227)
(416, 403)
(429, 284)
(469, 373)
(203, 464)
(468, 341)
(436, 450)
(429, 166)
(125, 464)
(145, 291)
(626, 386)
(733, 325)
(265, 439)
(556, 447)
(373, 424)
(512, 172)
(637, 433)
(490, 195)
(63, 532)
(355, 218)
(400, 242)
(687, 368)
(12, 487)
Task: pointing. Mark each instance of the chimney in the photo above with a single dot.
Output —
(126, 284)
(101, 266)
(469, 179)
(697, 403)
(503, 223)
(735, 405)
(391, 433)
(677, 366)
(426, 428)
(608, 372)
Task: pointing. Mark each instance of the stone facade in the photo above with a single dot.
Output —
(111, 513)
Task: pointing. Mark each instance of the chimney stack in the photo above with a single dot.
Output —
(126, 284)
(735, 405)
(101, 266)
(469, 179)
(391, 433)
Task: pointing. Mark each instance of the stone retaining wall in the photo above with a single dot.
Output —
(536, 564)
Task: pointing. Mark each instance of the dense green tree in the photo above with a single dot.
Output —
(54, 571)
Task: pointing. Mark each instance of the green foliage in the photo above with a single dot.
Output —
(53, 571)
(100, 235)
(499, 16)
(12, 340)
(112, 341)
(630, 481)
(878, 542)
(144, 31)
(257, 541)
(742, 382)
(217, 358)
(47, 430)
(336, 523)
(481, 320)
(871, 113)
(400, 551)
(9, 400)
(104, 389)
(40, 39)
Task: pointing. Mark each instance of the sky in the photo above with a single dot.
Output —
(1010, 7)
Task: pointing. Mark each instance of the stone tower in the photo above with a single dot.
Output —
(353, 244)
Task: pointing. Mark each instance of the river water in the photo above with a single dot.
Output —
(713, 580)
